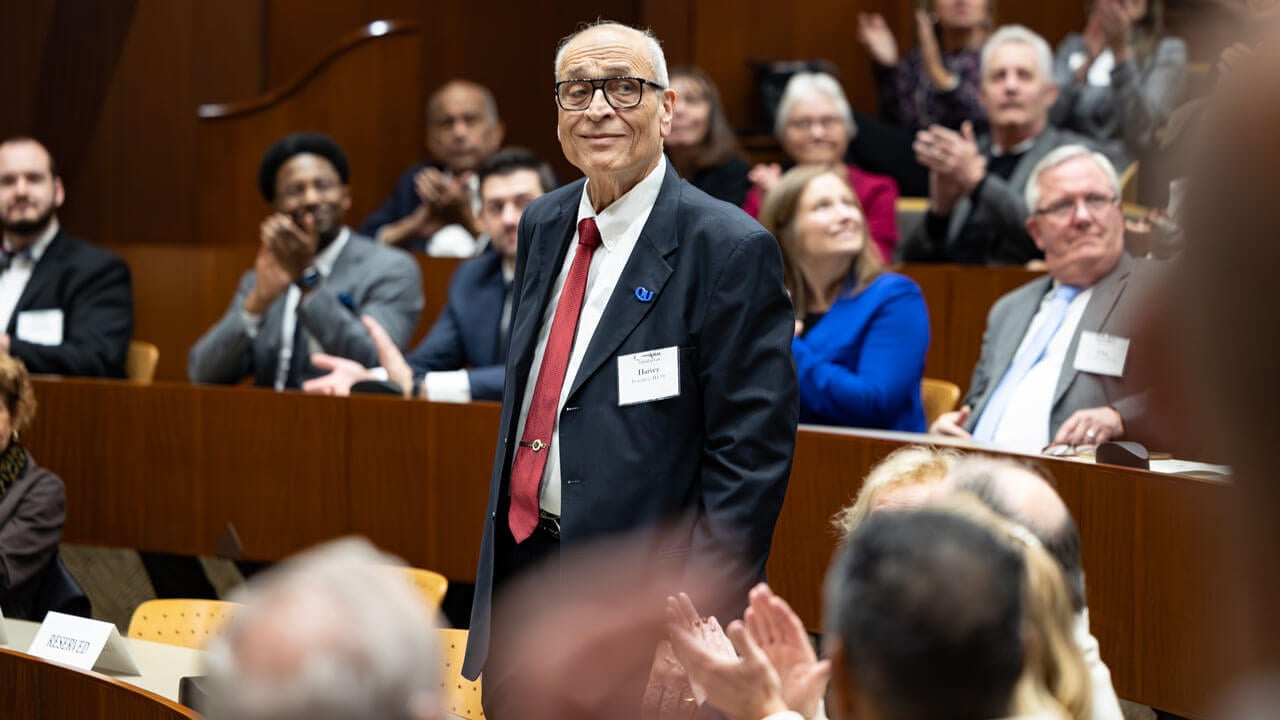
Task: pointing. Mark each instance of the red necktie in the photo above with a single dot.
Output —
(531, 454)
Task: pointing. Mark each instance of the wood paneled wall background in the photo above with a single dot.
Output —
(112, 86)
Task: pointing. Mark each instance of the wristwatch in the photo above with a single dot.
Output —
(309, 279)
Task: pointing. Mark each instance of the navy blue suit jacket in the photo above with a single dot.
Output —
(466, 333)
(401, 203)
(711, 464)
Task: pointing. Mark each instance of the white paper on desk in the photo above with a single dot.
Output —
(1187, 466)
(41, 327)
(4, 634)
(82, 643)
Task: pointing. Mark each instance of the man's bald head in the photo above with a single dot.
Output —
(463, 128)
(1025, 496)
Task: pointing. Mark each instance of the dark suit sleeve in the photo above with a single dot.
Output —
(442, 348)
(97, 325)
(403, 200)
(927, 241)
(1003, 209)
(750, 407)
(30, 535)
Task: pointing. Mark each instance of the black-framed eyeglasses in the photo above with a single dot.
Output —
(1064, 209)
(620, 92)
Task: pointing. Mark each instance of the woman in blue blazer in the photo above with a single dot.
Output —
(861, 332)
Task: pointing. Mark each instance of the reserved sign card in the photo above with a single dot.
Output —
(82, 643)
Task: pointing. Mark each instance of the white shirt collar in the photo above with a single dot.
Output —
(325, 259)
(41, 244)
(635, 203)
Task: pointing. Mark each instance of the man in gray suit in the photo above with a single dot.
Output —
(312, 280)
(1053, 357)
(976, 213)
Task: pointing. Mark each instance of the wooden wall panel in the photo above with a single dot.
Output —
(229, 41)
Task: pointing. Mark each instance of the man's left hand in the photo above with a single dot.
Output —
(953, 155)
(745, 687)
(1091, 426)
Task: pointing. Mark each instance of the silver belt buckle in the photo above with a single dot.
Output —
(554, 520)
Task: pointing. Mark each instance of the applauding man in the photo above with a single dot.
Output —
(311, 281)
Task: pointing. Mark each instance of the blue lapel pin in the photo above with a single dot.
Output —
(643, 294)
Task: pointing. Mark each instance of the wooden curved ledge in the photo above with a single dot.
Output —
(359, 36)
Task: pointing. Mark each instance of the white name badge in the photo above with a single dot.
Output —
(648, 376)
(82, 643)
(1101, 354)
(42, 327)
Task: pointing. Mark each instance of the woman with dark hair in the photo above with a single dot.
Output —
(32, 501)
(934, 84)
(1121, 79)
(702, 146)
(861, 332)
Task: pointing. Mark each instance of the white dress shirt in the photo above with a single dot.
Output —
(323, 263)
(1025, 423)
(620, 225)
(13, 281)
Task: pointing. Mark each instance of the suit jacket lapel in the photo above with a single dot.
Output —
(40, 274)
(1020, 316)
(490, 294)
(648, 268)
(548, 243)
(1106, 295)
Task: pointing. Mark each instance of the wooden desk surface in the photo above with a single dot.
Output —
(170, 467)
(163, 666)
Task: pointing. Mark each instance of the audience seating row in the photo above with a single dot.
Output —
(183, 469)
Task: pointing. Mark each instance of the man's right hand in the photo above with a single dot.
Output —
(765, 176)
(270, 280)
(877, 38)
(952, 423)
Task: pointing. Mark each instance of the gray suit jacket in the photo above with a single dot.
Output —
(1114, 309)
(367, 279)
(998, 204)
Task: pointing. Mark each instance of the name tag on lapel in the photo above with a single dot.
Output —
(1101, 354)
(41, 327)
(648, 376)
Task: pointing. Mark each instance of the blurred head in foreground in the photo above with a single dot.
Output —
(331, 634)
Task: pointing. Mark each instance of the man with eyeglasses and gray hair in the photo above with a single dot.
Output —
(1053, 365)
(976, 183)
(650, 387)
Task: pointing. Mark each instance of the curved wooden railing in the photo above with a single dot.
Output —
(355, 38)
(35, 688)
(365, 92)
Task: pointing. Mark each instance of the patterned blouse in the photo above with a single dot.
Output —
(909, 100)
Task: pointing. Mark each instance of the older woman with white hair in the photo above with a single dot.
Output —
(814, 125)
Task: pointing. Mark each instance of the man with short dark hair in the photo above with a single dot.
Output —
(312, 280)
(432, 208)
(1052, 368)
(976, 213)
(924, 611)
(66, 307)
(1025, 497)
(462, 358)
